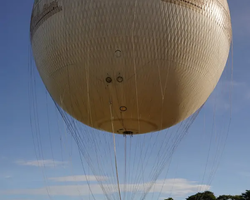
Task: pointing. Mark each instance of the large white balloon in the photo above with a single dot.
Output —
(130, 66)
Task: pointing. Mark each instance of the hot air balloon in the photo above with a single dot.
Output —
(129, 67)
(133, 66)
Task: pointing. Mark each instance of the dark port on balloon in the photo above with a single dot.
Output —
(128, 132)
(123, 108)
(119, 79)
(108, 79)
(118, 53)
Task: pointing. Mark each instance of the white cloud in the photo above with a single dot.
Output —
(41, 163)
(175, 187)
(79, 178)
(68, 190)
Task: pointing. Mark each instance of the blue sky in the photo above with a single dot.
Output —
(61, 175)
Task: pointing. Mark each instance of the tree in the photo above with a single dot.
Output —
(230, 197)
(170, 198)
(207, 195)
(224, 197)
(246, 195)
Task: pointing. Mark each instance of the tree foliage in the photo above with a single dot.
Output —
(170, 198)
(208, 195)
(246, 195)
(229, 197)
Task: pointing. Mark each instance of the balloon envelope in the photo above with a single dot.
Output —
(133, 66)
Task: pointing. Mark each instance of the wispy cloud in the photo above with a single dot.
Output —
(227, 84)
(2, 157)
(79, 178)
(41, 163)
(245, 174)
(68, 190)
(7, 176)
(175, 187)
(19, 199)
(179, 187)
(229, 95)
(241, 22)
(248, 95)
